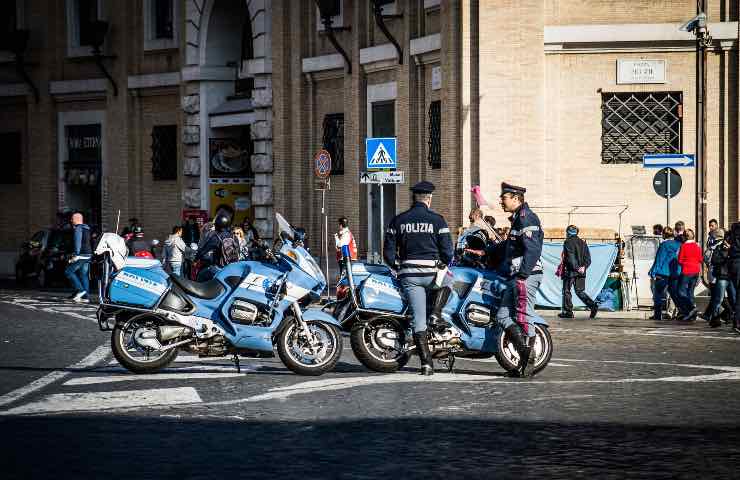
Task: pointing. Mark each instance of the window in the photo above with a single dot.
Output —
(164, 152)
(634, 124)
(333, 8)
(163, 19)
(10, 145)
(435, 135)
(243, 86)
(8, 21)
(334, 141)
(87, 13)
(160, 24)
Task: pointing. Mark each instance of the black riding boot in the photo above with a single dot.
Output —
(522, 345)
(422, 347)
(436, 322)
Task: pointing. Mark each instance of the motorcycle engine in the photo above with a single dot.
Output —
(246, 313)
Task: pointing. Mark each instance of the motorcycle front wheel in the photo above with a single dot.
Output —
(379, 344)
(508, 357)
(310, 356)
(133, 356)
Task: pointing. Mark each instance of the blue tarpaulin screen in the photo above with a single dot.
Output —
(551, 289)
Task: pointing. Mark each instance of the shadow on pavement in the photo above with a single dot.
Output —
(421, 447)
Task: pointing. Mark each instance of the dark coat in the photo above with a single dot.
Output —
(720, 262)
(522, 249)
(575, 255)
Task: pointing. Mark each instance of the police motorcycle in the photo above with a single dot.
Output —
(245, 310)
(370, 305)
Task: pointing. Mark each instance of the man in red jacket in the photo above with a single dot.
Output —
(690, 258)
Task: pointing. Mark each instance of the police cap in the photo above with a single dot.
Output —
(508, 188)
(423, 187)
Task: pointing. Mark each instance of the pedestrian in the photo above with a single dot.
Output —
(77, 270)
(137, 244)
(344, 237)
(521, 263)
(243, 244)
(658, 230)
(721, 272)
(128, 231)
(220, 249)
(709, 246)
(175, 250)
(665, 273)
(251, 235)
(679, 231)
(191, 233)
(576, 260)
(477, 219)
(690, 259)
(734, 268)
(418, 245)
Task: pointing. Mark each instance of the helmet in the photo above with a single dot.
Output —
(138, 231)
(222, 222)
(476, 240)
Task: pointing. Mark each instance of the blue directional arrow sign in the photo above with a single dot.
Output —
(380, 154)
(671, 160)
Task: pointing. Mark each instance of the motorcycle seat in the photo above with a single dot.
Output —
(205, 290)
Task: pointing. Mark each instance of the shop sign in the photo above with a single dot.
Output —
(641, 71)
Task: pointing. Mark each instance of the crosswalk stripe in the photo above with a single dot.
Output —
(76, 402)
(153, 376)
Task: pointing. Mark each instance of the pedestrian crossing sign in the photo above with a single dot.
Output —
(380, 153)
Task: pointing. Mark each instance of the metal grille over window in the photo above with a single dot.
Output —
(163, 14)
(87, 14)
(334, 141)
(634, 124)
(435, 134)
(10, 145)
(164, 152)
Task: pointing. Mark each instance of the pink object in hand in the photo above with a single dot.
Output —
(479, 199)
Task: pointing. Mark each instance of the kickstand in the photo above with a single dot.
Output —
(236, 362)
(450, 362)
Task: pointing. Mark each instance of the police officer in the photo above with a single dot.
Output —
(520, 255)
(419, 241)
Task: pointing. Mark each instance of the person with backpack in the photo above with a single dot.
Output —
(221, 247)
(722, 284)
(576, 260)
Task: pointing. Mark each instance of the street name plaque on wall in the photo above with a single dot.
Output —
(641, 71)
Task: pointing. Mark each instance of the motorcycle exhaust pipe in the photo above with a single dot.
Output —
(168, 332)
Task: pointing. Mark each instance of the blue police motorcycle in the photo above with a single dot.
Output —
(373, 309)
(245, 310)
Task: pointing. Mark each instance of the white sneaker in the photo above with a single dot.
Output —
(81, 297)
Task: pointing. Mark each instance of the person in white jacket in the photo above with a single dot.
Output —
(175, 251)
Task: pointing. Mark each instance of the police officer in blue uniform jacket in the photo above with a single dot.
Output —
(418, 244)
(521, 262)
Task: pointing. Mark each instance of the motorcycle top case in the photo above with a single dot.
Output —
(140, 287)
(380, 292)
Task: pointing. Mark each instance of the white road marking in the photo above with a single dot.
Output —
(662, 332)
(153, 376)
(96, 356)
(75, 402)
(24, 303)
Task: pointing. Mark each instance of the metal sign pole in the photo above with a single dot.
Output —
(668, 197)
(326, 236)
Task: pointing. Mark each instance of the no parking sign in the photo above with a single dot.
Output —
(322, 164)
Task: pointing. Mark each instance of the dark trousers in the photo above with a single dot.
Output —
(579, 285)
(686, 287)
(735, 278)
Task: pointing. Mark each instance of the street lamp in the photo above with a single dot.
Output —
(98, 32)
(698, 26)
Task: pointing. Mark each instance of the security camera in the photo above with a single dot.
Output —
(699, 21)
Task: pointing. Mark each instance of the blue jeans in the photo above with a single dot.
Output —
(517, 304)
(718, 294)
(176, 268)
(76, 272)
(686, 287)
(661, 287)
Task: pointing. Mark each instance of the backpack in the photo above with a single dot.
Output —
(229, 250)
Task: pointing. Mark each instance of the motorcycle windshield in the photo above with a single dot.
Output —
(284, 227)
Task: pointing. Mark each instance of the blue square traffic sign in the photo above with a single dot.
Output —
(380, 154)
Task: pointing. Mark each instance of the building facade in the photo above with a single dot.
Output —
(220, 105)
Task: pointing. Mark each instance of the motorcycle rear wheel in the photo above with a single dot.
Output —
(508, 357)
(298, 355)
(365, 340)
(124, 347)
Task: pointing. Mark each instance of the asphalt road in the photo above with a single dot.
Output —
(621, 398)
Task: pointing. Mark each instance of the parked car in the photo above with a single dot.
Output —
(44, 257)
